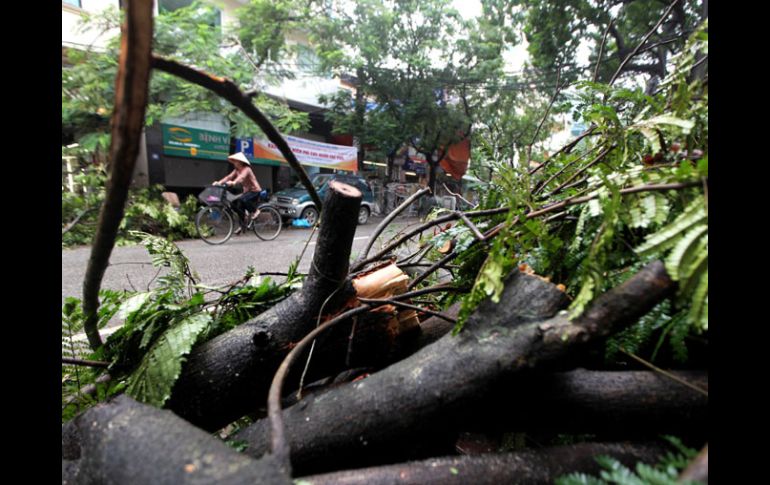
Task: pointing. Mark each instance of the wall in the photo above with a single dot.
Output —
(70, 16)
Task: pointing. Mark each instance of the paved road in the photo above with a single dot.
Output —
(130, 266)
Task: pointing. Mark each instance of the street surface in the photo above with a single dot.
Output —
(130, 267)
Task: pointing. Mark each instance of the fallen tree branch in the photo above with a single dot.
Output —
(522, 468)
(229, 91)
(127, 123)
(72, 224)
(83, 362)
(498, 340)
(126, 442)
(229, 376)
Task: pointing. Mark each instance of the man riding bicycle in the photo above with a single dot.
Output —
(242, 174)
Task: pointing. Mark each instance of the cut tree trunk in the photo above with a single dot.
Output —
(356, 421)
(522, 468)
(612, 404)
(126, 442)
(229, 376)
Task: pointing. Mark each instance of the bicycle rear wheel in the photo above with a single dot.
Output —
(214, 224)
(268, 223)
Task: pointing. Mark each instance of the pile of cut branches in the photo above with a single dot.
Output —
(503, 359)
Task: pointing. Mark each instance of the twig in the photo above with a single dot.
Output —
(127, 122)
(644, 40)
(431, 289)
(566, 149)
(229, 91)
(453, 216)
(390, 301)
(132, 285)
(69, 226)
(460, 196)
(475, 230)
(590, 164)
(83, 362)
(545, 115)
(543, 185)
(153, 278)
(661, 371)
(601, 49)
(278, 446)
(385, 222)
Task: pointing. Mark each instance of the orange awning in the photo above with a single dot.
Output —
(455, 161)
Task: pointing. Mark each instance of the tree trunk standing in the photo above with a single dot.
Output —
(432, 165)
(360, 111)
(389, 174)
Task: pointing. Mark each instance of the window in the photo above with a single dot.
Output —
(74, 3)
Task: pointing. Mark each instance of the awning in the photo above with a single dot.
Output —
(455, 161)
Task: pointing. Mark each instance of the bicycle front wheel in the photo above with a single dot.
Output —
(268, 223)
(214, 224)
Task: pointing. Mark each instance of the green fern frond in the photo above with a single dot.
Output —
(667, 237)
(688, 247)
(153, 380)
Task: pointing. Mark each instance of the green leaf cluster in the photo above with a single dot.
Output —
(664, 473)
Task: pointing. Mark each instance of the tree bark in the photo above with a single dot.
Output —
(127, 122)
(522, 468)
(358, 420)
(126, 442)
(403, 396)
(229, 376)
(611, 404)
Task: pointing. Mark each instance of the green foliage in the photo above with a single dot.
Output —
(189, 35)
(146, 211)
(160, 326)
(417, 63)
(152, 381)
(639, 141)
(687, 263)
(664, 473)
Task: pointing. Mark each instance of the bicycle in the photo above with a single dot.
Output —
(215, 222)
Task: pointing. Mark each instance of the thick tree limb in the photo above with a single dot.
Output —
(127, 122)
(229, 91)
(612, 404)
(361, 414)
(499, 340)
(229, 375)
(521, 468)
(126, 442)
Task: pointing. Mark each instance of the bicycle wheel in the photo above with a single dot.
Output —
(268, 223)
(214, 224)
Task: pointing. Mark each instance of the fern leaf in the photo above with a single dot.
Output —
(686, 247)
(579, 479)
(687, 265)
(653, 476)
(698, 314)
(153, 380)
(670, 235)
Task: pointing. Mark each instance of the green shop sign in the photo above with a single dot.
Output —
(181, 141)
